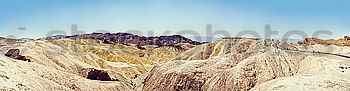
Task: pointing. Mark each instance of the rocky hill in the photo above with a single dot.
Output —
(228, 64)
(128, 38)
(24, 76)
(345, 41)
(243, 64)
(90, 59)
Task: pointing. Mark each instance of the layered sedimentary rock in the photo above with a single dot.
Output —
(238, 47)
(345, 41)
(236, 64)
(229, 64)
(128, 38)
(256, 70)
(91, 61)
(74, 55)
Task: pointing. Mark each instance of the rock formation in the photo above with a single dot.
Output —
(124, 62)
(345, 41)
(89, 59)
(228, 64)
(96, 74)
(128, 38)
(14, 53)
(240, 64)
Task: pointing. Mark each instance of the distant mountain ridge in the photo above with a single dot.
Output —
(128, 38)
(345, 41)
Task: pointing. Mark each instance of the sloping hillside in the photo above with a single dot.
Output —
(74, 55)
(242, 64)
(84, 61)
(25, 76)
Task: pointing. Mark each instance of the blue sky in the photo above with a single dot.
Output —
(42, 16)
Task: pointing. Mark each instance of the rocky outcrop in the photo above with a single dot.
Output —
(99, 75)
(224, 65)
(345, 41)
(128, 38)
(14, 53)
(95, 74)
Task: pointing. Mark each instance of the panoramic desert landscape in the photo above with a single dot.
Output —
(128, 62)
(174, 45)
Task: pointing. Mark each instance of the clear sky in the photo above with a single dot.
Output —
(41, 16)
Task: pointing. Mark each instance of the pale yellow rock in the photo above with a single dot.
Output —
(242, 64)
(73, 55)
(26, 76)
(305, 83)
(316, 73)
